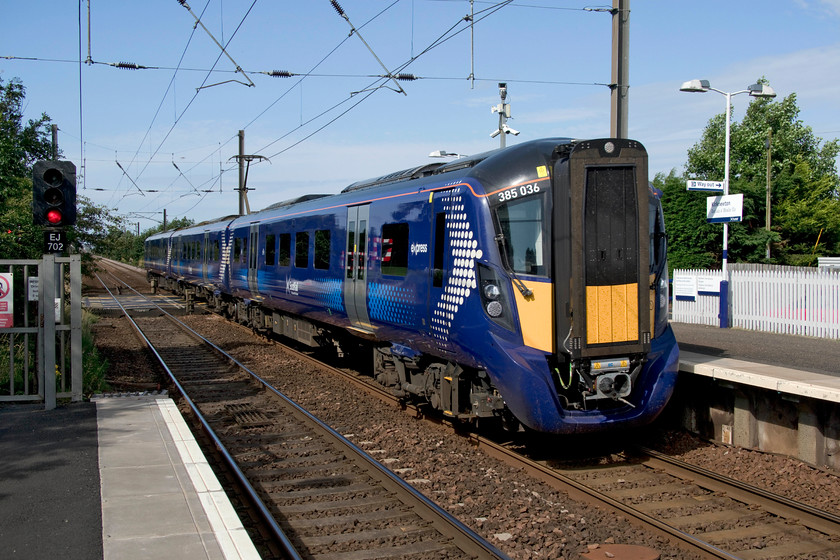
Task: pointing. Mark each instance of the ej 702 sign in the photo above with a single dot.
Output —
(53, 241)
(724, 208)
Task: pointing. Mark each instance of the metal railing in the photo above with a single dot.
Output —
(778, 299)
(44, 304)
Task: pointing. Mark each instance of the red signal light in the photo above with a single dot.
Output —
(54, 216)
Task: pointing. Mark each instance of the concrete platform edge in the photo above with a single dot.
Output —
(159, 494)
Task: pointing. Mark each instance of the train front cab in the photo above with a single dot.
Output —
(611, 355)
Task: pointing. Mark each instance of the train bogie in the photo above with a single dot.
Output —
(527, 283)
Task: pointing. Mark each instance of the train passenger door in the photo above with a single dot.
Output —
(205, 255)
(168, 267)
(355, 273)
(253, 259)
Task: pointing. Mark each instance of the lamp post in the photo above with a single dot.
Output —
(755, 90)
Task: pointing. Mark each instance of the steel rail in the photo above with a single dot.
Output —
(544, 473)
(824, 522)
(809, 516)
(276, 530)
(477, 542)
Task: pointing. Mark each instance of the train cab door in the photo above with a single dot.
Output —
(253, 258)
(205, 255)
(355, 273)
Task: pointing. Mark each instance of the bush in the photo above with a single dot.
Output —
(93, 365)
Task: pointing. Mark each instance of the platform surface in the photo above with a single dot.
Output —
(115, 478)
(160, 497)
(795, 365)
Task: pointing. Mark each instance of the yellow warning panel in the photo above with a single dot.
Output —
(536, 315)
(612, 313)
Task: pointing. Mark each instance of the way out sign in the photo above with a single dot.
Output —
(707, 186)
(724, 208)
(6, 302)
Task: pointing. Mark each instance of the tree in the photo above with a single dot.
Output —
(20, 146)
(692, 243)
(97, 230)
(116, 240)
(805, 203)
(809, 215)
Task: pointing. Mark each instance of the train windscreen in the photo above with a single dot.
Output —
(523, 224)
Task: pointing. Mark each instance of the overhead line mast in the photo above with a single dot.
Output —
(620, 85)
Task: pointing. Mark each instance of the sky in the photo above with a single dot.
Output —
(164, 137)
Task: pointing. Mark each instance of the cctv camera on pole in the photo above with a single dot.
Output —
(504, 114)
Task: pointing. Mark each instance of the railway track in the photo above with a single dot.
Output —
(710, 515)
(323, 497)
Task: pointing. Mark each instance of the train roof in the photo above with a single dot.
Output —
(492, 169)
(207, 225)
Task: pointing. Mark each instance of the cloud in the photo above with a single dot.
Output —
(831, 7)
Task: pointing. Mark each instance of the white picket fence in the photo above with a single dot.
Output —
(789, 300)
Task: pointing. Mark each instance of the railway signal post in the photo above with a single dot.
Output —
(54, 193)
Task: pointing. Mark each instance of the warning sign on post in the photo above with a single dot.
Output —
(7, 309)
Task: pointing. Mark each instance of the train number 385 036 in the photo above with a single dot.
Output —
(516, 192)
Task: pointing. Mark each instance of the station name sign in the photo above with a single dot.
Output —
(724, 208)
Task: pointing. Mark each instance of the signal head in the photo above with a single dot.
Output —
(54, 193)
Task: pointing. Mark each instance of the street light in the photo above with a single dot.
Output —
(755, 90)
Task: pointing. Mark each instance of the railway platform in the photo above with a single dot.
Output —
(115, 478)
(772, 392)
(121, 477)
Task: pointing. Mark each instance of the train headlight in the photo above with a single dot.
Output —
(494, 309)
(494, 299)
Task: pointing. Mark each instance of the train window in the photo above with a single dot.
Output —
(302, 249)
(361, 261)
(394, 256)
(322, 249)
(284, 252)
(522, 223)
(237, 249)
(351, 247)
(270, 249)
(216, 250)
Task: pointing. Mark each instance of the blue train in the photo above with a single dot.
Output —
(526, 285)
